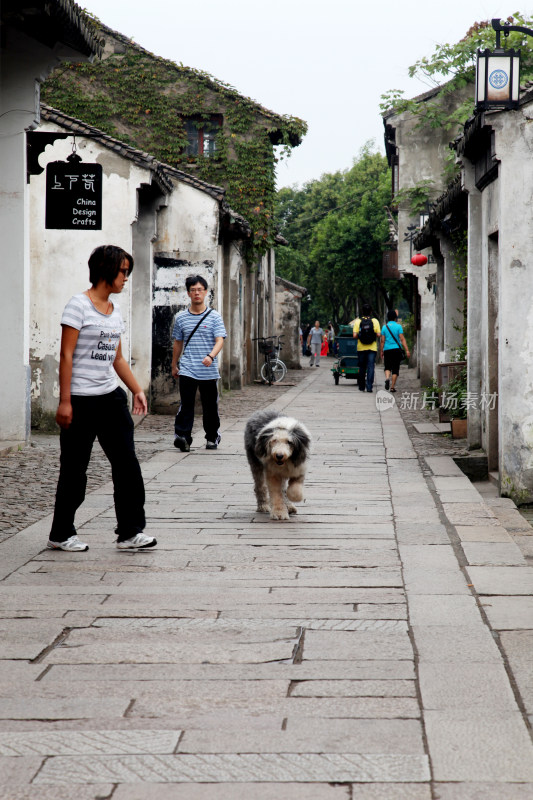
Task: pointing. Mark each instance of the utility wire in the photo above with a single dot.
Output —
(324, 213)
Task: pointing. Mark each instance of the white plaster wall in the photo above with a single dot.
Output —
(190, 223)
(288, 323)
(426, 335)
(59, 258)
(514, 149)
(23, 63)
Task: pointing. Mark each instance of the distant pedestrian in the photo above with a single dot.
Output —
(305, 336)
(92, 405)
(366, 330)
(198, 336)
(325, 347)
(314, 342)
(393, 346)
(331, 339)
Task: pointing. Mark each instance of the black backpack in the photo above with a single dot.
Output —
(367, 334)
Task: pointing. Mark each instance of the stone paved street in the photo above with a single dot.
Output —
(374, 647)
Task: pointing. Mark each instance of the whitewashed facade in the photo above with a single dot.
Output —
(34, 40)
(171, 222)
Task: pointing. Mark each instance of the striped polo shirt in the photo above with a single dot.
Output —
(95, 351)
(201, 343)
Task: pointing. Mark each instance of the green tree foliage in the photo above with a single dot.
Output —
(336, 228)
(452, 67)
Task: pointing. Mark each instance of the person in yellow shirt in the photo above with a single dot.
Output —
(367, 330)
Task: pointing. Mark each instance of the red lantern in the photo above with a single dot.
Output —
(419, 260)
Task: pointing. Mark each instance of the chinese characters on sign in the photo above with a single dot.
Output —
(74, 196)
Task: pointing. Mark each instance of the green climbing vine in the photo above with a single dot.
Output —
(145, 101)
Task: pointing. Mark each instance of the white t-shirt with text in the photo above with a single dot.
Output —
(96, 348)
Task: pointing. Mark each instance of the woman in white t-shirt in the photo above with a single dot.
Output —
(92, 405)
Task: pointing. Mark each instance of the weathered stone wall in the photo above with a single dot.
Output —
(288, 323)
(507, 266)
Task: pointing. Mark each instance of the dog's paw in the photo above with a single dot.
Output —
(295, 492)
(263, 508)
(279, 514)
(292, 509)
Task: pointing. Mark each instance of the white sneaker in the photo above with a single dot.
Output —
(70, 545)
(137, 542)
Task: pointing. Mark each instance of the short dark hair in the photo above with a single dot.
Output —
(192, 280)
(366, 309)
(105, 262)
(391, 315)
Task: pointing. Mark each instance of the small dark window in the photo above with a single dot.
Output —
(395, 175)
(202, 135)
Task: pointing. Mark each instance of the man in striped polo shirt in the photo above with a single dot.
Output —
(198, 336)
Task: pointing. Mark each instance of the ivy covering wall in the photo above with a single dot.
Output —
(143, 100)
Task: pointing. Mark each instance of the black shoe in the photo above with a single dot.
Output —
(213, 445)
(181, 443)
(387, 384)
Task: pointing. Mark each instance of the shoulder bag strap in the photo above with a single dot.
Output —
(394, 337)
(191, 334)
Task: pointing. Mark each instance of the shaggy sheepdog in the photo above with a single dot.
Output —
(277, 448)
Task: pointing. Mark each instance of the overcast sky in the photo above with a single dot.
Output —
(325, 61)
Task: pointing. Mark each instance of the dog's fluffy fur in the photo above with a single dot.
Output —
(277, 448)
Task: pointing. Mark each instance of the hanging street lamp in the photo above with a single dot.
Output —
(498, 72)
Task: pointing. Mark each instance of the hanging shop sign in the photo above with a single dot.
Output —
(74, 195)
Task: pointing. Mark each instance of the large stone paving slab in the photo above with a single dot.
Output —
(89, 742)
(468, 746)
(491, 580)
(235, 791)
(509, 613)
(239, 768)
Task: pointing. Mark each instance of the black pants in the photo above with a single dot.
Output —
(107, 418)
(185, 416)
(392, 359)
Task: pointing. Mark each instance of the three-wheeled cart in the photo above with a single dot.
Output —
(347, 363)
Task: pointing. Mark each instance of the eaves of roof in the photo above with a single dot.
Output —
(444, 205)
(234, 221)
(52, 21)
(293, 287)
(163, 172)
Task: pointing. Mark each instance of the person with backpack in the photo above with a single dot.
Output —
(366, 330)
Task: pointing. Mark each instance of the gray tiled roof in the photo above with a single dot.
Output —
(163, 172)
(52, 22)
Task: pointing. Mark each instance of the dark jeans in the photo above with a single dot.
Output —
(185, 416)
(367, 362)
(107, 418)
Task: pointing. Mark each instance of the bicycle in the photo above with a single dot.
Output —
(273, 370)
